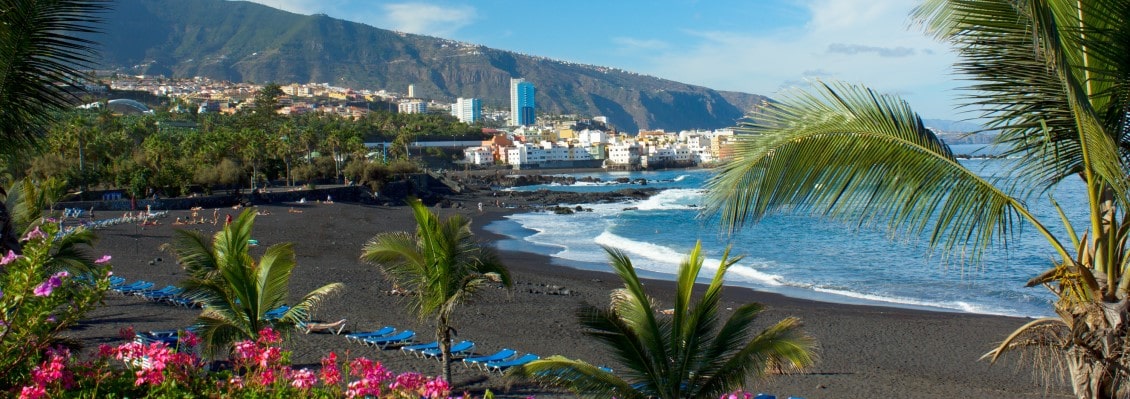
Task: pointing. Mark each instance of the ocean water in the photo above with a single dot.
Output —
(796, 255)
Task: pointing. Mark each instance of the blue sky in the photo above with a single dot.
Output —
(757, 46)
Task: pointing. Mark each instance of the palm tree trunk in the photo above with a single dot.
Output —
(444, 335)
(9, 241)
(1096, 357)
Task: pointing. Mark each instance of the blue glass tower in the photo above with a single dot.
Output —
(522, 103)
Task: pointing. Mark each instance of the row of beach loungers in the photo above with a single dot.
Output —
(388, 336)
(140, 217)
(171, 294)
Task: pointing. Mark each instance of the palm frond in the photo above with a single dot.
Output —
(1051, 76)
(302, 310)
(43, 53)
(1040, 332)
(194, 253)
(636, 311)
(853, 155)
(579, 377)
(640, 363)
(273, 276)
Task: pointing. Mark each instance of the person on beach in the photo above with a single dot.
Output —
(480, 207)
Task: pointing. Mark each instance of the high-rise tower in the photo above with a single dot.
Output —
(468, 110)
(522, 102)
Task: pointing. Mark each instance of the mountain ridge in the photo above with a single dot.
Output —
(244, 41)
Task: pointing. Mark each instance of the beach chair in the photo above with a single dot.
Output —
(415, 350)
(359, 336)
(117, 281)
(182, 301)
(400, 338)
(764, 396)
(154, 295)
(461, 348)
(334, 327)
(503, 365)
(276, 313)
(479, 361)
(139, 285)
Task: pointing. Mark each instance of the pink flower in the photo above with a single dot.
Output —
(236, 382)
(189, 339)
(9, 258)
(436, 388)
(330, 373)
(303, 379)
(53, 282)
(268, 336)
(408, 381)
(103, 259)
(33, 392)
(34, 234)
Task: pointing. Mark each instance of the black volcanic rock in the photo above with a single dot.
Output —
(243, 41)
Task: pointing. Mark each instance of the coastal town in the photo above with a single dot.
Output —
(517, 136)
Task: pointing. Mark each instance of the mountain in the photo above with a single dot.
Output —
(242, 41)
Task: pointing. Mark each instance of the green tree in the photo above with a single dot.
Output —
(441, 266)
(686, 354)
(1052, 78)
(40, 48)
(236, 290)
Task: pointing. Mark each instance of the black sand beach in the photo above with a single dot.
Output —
(865, 352)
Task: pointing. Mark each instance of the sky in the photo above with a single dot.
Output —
(767, 47)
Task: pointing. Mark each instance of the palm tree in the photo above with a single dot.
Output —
(40, 48)
(681, 353)
(28, 202)
(441, 266)
(237, 291)
(1052, 78)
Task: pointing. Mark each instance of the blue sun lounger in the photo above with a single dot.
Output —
(479, 361)
(154, 295)
(417, 348)
(397, 339)
(136, 286)
(359, 336)
(501, 366)
(461, 348)
(276, 313)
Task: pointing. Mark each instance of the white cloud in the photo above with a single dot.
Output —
(427, 19)
(857, 41)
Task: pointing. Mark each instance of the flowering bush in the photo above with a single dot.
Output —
(260, 369)
(43, 291)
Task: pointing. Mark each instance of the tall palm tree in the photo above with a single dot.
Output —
(1052, 77)
(41, 54)
(237, 291)
(685, 353)
(441, 266)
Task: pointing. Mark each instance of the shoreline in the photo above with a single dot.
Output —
(866, 351)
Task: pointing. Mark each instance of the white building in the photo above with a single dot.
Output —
(479, 156)
(468, 110)
(589, 137)
(413, 107)
(625, 153)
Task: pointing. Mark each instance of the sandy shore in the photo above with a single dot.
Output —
(866, 352)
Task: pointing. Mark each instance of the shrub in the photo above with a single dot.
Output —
(260, 369)
(42, 293)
